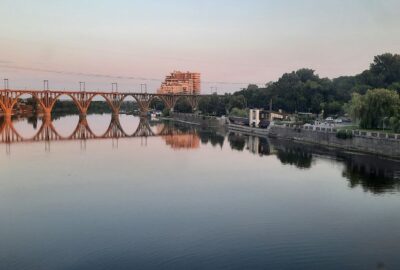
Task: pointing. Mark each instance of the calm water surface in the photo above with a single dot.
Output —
(192, 199)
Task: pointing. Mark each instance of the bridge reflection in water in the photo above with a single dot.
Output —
(373, 174)
(174, 137)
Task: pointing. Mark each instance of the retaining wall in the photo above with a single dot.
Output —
(204, 121)
(380, 143)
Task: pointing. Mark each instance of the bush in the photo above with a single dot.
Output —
(344, 134)
(239, 112)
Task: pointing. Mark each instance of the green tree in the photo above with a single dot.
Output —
(183, 106)
(378, 108)
(385, 70)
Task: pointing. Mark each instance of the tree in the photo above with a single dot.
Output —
(183, 106)
(354, 107)
(385, 69)
(237, 101)
(378, 108)
(213, 105)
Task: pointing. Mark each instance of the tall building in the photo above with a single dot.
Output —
(181, 83)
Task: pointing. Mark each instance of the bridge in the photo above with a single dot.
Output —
(82, 99)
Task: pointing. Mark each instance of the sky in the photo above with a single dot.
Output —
(231, 43)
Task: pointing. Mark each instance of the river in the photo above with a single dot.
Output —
(188, 198)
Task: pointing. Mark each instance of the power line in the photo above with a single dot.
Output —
(63, 72)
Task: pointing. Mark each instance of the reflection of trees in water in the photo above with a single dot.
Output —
(296, 156)
(258, 145)
(33, 120)
(237, 141)
(255, 145)
(264, 148)
(371, 174)
(211, 136)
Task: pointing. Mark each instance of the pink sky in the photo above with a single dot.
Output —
(227, 41)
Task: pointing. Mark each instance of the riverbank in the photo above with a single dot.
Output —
(198, 120)
(377, 143)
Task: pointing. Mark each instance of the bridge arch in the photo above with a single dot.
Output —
(130, 95)
(2, 106)
(31, 94)
(114, 130)
(15, 129)
(73, 98)
(167, 102)
(82, 131)
(106, 98)
(97, 119)
(65, 119)
(128, 114)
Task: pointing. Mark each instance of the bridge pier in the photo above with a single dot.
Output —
(82, 117)
(114, 117)
(82, 112)
(7, 116)
(47, 114)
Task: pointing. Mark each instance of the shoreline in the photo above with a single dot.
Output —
(388, 147)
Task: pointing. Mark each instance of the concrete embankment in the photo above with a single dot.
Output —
(199, 120)
(248, 130)
(378, 143)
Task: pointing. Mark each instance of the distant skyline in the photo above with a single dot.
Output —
(236, 42)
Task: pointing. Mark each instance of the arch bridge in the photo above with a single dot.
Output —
(48, 98)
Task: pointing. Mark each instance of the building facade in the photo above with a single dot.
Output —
(181, 83)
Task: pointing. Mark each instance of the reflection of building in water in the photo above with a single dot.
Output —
(180, 136)
(181, 83)
(182, 141)
(255, 145)
(258, 145)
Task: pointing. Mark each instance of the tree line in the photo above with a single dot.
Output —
(371, 97)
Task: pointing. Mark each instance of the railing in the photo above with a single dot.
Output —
(355, 132)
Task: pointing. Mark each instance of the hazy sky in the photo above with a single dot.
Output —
(245, 41)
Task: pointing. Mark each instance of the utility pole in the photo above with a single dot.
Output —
(114, 85)
(45, 85)
(143, 86)
(82, 86)
(6, 84)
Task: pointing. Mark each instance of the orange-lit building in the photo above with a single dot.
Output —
(181, 83)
